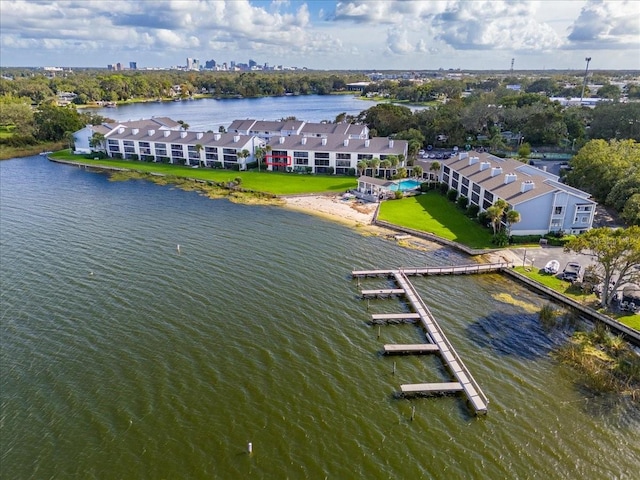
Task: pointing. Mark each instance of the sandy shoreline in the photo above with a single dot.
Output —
(350, 212)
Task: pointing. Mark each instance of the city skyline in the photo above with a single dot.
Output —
(323, 34)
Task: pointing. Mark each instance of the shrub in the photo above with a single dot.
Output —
(473, 210)
(398, 194)
(483, 219)
(520, 239)
(443, 187)
(452, 194)
(547, 316)
(351, 172)
(500, 239)
(462, 202)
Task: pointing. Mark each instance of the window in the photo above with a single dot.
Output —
(488, 197)
(557, 211)
(343, 163)
(301, 161)
(476, 188)
(322, 155)
(456, 175)
(343, 156)
(363, 156)
(300, 154)
(322, 162)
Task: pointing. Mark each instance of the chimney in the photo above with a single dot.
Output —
(303, 140)
(216, 136)
(199, 135)
(324, 140)
(236, 138)
(484, 166)
(496, 171)
(121, 130)
(183, 134)
(510, 177)
(367, 142)
(167, 133)
(150, 132)
(391, 143)
(135, 131)
(281, 139)
(526, 186)
(346, 142)
(473, 160)
(463, 155)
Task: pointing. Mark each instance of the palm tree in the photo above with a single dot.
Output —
(242, 154)
(258, 154)
(374, 163)
(417, 171)
(513, 216)
(496, 212)
(362, 166)
(385, 164)
(97, 141)
(183, 125)
(435, 167)
(199, 148)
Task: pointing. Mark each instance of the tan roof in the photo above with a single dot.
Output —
(336, 143)
(499, 170)
(182, 137)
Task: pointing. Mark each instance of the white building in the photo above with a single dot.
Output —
(545, 205)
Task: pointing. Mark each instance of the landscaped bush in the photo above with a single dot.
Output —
(473, 210)
(398, 194)
(483, 219)
(351, 172)
(443, 187)
(521, 239)
(462, 202)
(555, 241)
(452, 194)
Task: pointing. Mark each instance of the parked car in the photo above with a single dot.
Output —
(571, 272)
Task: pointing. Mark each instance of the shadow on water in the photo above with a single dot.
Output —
(518, 335)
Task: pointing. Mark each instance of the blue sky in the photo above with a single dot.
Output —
(323, 34)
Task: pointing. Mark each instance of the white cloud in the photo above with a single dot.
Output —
(607, 24)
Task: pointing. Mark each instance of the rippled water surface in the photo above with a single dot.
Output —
(123, 357)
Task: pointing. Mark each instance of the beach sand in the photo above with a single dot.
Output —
(350, 212)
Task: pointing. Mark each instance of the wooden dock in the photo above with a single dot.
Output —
(386, 318)
(410, 348)
(448, 270)
(438, 341)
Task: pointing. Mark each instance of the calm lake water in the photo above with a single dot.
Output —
(209, 113)
(121, 357)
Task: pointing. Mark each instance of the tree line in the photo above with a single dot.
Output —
(99, 86)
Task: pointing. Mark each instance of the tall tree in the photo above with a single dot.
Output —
(617, 256)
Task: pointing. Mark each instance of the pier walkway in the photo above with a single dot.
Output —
(448, 270)
(438, 342)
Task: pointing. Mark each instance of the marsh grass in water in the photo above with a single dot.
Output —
(606, 362)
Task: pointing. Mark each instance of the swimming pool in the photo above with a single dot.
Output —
(404, 185)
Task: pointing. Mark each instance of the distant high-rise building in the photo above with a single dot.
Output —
(210, 64)
(133, 65)
(118, 66)
(193, 64)
(252, 63)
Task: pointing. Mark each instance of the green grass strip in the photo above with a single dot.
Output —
(433, 213)
(275, 183)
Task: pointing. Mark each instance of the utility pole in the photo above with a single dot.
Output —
(584, 84)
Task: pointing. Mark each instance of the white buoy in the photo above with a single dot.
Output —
(250, 448)
(178, 248)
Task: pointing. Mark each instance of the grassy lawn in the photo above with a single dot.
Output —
(573, 292)
(433, 213)
(268, 182)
